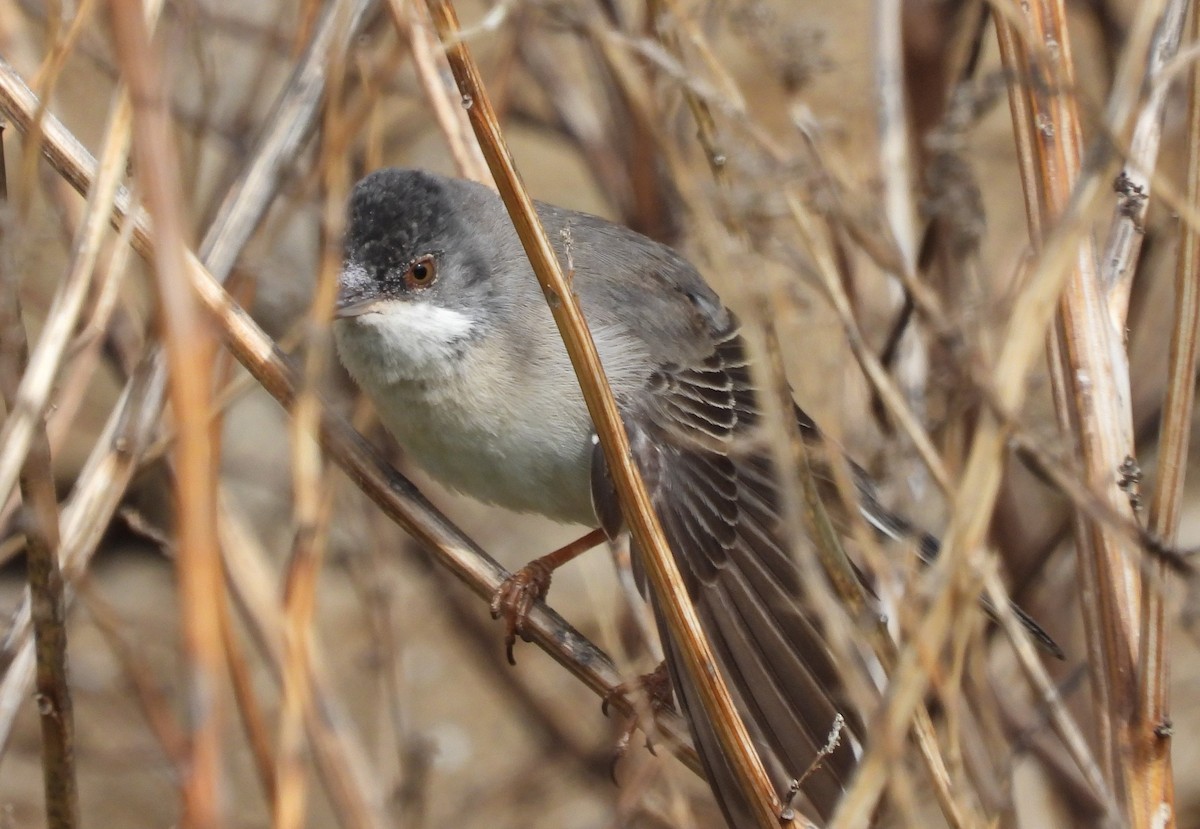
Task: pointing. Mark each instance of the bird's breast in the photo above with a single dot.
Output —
(515, 436)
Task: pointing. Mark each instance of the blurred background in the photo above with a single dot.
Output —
(598, 102)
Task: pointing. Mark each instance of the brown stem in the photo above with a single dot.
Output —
(1151, 778)
(663, 572)
(48, 607)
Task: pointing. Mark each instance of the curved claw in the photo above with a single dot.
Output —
(619, 752)
(656, 686)
(514, 600)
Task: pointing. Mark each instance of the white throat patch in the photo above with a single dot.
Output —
(402, 339)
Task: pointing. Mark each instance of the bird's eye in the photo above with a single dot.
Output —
(421, 272)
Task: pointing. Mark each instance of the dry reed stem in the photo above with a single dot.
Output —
(896, 163)
(190, 349)
(48, 606)
(1092, 398)
(681, 619)
(1152, 773)
(974, 499)
(365, 465)
(1133, 184)
(1015, 56)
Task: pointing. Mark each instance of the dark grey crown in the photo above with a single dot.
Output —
(395, 215)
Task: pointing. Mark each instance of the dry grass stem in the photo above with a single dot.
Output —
(1133, 184)
(1092, 397)
(896, 166)
(639, 515)
(1152, 773)
(952, 288)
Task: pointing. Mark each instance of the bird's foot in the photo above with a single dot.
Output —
(516, 595)
(648, 694)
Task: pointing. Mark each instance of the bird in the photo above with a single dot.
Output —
(443, 325)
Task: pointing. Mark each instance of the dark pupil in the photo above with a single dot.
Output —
(420, 271)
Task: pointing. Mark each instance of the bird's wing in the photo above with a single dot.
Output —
(692, 436)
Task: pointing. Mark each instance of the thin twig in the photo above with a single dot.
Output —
(48, 606)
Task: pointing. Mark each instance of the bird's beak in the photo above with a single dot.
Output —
(354, 306)
(353, 310)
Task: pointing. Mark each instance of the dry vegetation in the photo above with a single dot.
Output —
(966, 233)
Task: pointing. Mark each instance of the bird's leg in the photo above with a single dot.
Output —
(654, 690)
(515, 597)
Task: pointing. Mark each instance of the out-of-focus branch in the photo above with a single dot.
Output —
(106, 474)
(190, 349)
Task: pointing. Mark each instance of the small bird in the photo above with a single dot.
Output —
(441, 322)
